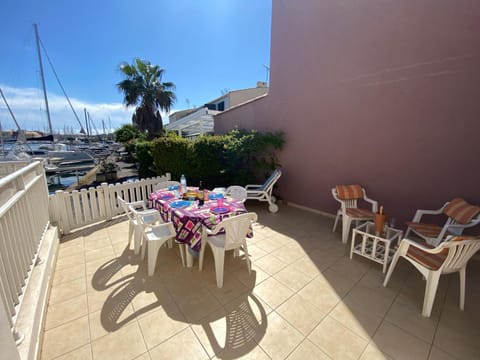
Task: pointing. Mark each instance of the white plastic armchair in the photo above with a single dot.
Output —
(460, 215)
(234, 238)
(165, 185)
(449, 257)
(154, 236)
(264, 192)
(237, 192)
(134, 228)
(348, 196)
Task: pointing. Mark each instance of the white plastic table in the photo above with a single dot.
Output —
(376, 247)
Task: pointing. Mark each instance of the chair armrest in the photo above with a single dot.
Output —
(168, 225)
(335, 196)
(373, 202)
(252, 187)
(472, 223)
(137, 204)
(406, 243)
(420, 213)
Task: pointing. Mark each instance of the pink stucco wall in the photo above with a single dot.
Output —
(381, 93)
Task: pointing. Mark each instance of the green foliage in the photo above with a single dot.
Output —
(239, 157)
(127, 133)
(143, 151)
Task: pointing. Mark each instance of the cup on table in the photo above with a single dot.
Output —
(220, 201)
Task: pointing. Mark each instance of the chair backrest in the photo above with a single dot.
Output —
(349, 192)
(346, 203)
(461, 211)
(459, 252)
(125, 208)
(165, 185)
(236, 229)
(237, 192)
(268, 185)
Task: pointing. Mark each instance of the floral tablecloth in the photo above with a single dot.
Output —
(189, 220)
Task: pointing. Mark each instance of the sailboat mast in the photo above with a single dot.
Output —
(43, 79)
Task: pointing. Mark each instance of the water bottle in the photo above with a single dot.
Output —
(183, 183)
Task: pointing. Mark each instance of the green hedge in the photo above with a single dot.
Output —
(239, 157)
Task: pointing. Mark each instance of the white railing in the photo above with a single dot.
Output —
(71, 210)
(22, 227)
(9, 167)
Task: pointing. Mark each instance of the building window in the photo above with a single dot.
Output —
(211, 106)
(221, 106)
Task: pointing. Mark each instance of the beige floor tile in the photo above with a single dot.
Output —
(154, 295)
(144, 356)
(67, 290)
(437, 354)
(69, 274)
(360, 322)
(66, 311)
(255, 252)
(289, 253)
(231, 289)
(65, 338)
(126, 343)
(411, 320)
(71, 249)
(256, 276)
(198, 305)
(105, 321)
(336, 340)
(100, 253)
(184, 345)
(64, 262)
(292, 278)
(255, 353)
(269, 245)
(373, 353)
(308, 266)
(162, 324)
(364, 299)
(213, 333)
(303, 315)
(280, 338)
(320, 294)
(458, 333)
(399, 344)
(273, 292)
(308, 351)
(82, 353)
(341, 284)
(270, 264)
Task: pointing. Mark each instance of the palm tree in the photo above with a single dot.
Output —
(143, 87)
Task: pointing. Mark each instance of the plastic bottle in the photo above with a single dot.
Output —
(200, 194)
(183, 183)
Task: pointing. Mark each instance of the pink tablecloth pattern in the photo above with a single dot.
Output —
(188, 221)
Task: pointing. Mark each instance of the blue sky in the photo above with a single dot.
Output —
(204, 46)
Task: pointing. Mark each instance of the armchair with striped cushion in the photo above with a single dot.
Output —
(450, 256)
(348, 196)
(459, 213)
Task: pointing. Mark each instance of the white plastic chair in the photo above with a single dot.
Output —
(347, 196)
(154, 236)
(237, 192)
(236, 229)
(264, 192)
(459, 213)
(449, 257)
(149, 216)
(165, 185)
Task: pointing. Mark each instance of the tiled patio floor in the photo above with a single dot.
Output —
(305, 299)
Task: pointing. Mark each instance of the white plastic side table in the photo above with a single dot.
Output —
(376, 247)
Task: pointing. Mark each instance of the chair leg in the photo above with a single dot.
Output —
(137, 238)
(391, 268)
(430, 292)
(153, 248)
(462, 287)
(182, 249)
(219, 257)
(346, 222)
(130, 232)
(201, 255)
(249, 263)
(336, 221)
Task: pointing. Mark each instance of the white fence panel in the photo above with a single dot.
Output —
(76, 209)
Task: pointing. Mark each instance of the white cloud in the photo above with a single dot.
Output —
(28, 107)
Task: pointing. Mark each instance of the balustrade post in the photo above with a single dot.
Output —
(106, 198)
(64, 220)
